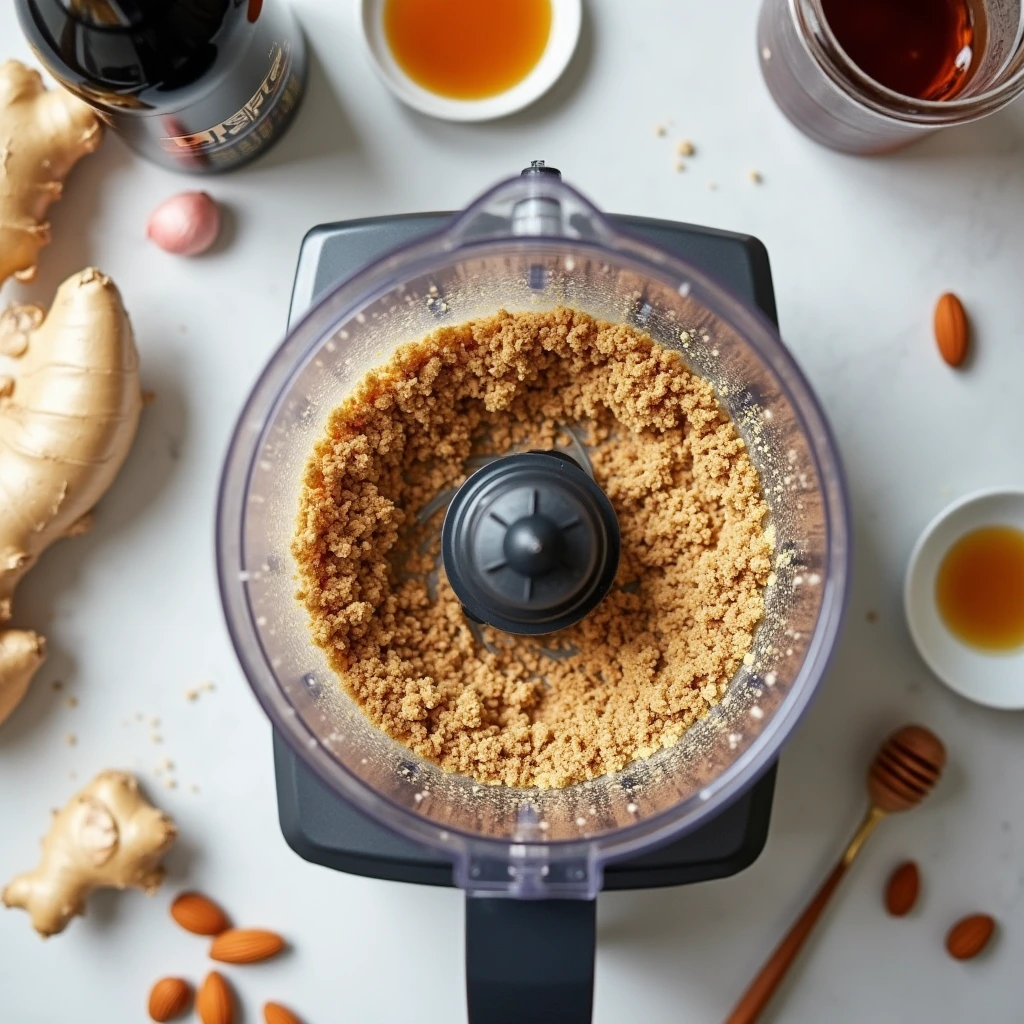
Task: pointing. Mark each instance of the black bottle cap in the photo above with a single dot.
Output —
(530, 543)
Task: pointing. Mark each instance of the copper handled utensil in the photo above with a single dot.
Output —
(903, 773)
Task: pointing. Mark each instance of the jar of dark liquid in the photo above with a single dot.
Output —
(868, 76)
(195, 85)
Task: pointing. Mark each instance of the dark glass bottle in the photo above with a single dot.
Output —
(195, 85)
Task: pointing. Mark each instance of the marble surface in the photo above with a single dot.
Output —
(860, 251)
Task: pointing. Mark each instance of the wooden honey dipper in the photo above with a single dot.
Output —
(903, 773)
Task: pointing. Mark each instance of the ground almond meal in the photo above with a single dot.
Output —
(647, 662)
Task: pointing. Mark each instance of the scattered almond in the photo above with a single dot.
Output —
(969, 936)
(215, 1002)
(951, 331)
(275, 1013)
(169, 998)
(901, 893)
(198, 914)
(245, 946)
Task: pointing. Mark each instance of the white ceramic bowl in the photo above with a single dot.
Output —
(994, 679)
(566, 18)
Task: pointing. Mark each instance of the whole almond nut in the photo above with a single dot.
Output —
(215, 1002)
(951, 330)
(169, 998)
(901, 892)
(969, 936)
(198, 914)
(275, 1013)
(245, 945)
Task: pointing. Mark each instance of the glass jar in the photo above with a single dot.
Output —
(831, 100)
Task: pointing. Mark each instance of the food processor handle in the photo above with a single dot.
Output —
(530, 961)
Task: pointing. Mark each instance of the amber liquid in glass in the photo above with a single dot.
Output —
(925, 49)
(467, 49)
(980, 588)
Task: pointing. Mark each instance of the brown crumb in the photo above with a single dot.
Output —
(661, 130)
(170, 784)
(148, 396)
(192, 694)
(755, 177)
(56, 685)
(71, 739)
(71, 702)
(208, 687)
(680, 166)
(650, 659)
(872, 617)
(685, 147)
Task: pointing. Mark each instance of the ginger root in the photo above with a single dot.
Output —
(43, 134)
(21, 653)
(68, 416)
(108, 835)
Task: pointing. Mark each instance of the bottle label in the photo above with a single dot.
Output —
(249, 128)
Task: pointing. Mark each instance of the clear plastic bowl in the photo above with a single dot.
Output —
(533, 243)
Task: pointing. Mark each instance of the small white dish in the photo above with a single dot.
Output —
(566, 19)
(993, 679)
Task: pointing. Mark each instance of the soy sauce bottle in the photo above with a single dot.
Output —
(195, 85)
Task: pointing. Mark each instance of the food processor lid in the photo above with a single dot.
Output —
(530, 543)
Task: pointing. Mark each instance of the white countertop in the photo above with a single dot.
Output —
(860, 249)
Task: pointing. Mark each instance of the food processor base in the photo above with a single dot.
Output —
(326, 830)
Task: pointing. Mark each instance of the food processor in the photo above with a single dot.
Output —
(531, 861)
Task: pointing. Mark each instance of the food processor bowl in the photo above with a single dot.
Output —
(532, 243)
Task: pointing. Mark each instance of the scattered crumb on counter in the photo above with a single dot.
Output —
(680, 166)
(755, 177)
(660, 130)
(148, 396)
(71, 739)
(685, 147)
(192, 694)
(72, 702)
(872, 617)
(57, 685)
(156, 738)
(713, 186)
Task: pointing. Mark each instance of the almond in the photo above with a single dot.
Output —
(951, 330)
(275, 1013)
(901, 893)
(169, 998)
(198, 914)
(245, 946)
(969, 936)
(215, 1003)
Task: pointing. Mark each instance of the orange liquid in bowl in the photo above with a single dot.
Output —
(467, 49)
(980, 588)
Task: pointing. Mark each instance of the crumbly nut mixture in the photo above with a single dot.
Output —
(635, 673)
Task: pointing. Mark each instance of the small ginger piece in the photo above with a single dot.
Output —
(67, 421)
(21, 653)
(107, 836)
(43, 134)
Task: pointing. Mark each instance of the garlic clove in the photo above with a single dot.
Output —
(186, 224)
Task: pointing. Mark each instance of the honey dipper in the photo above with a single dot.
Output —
(903, 773)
